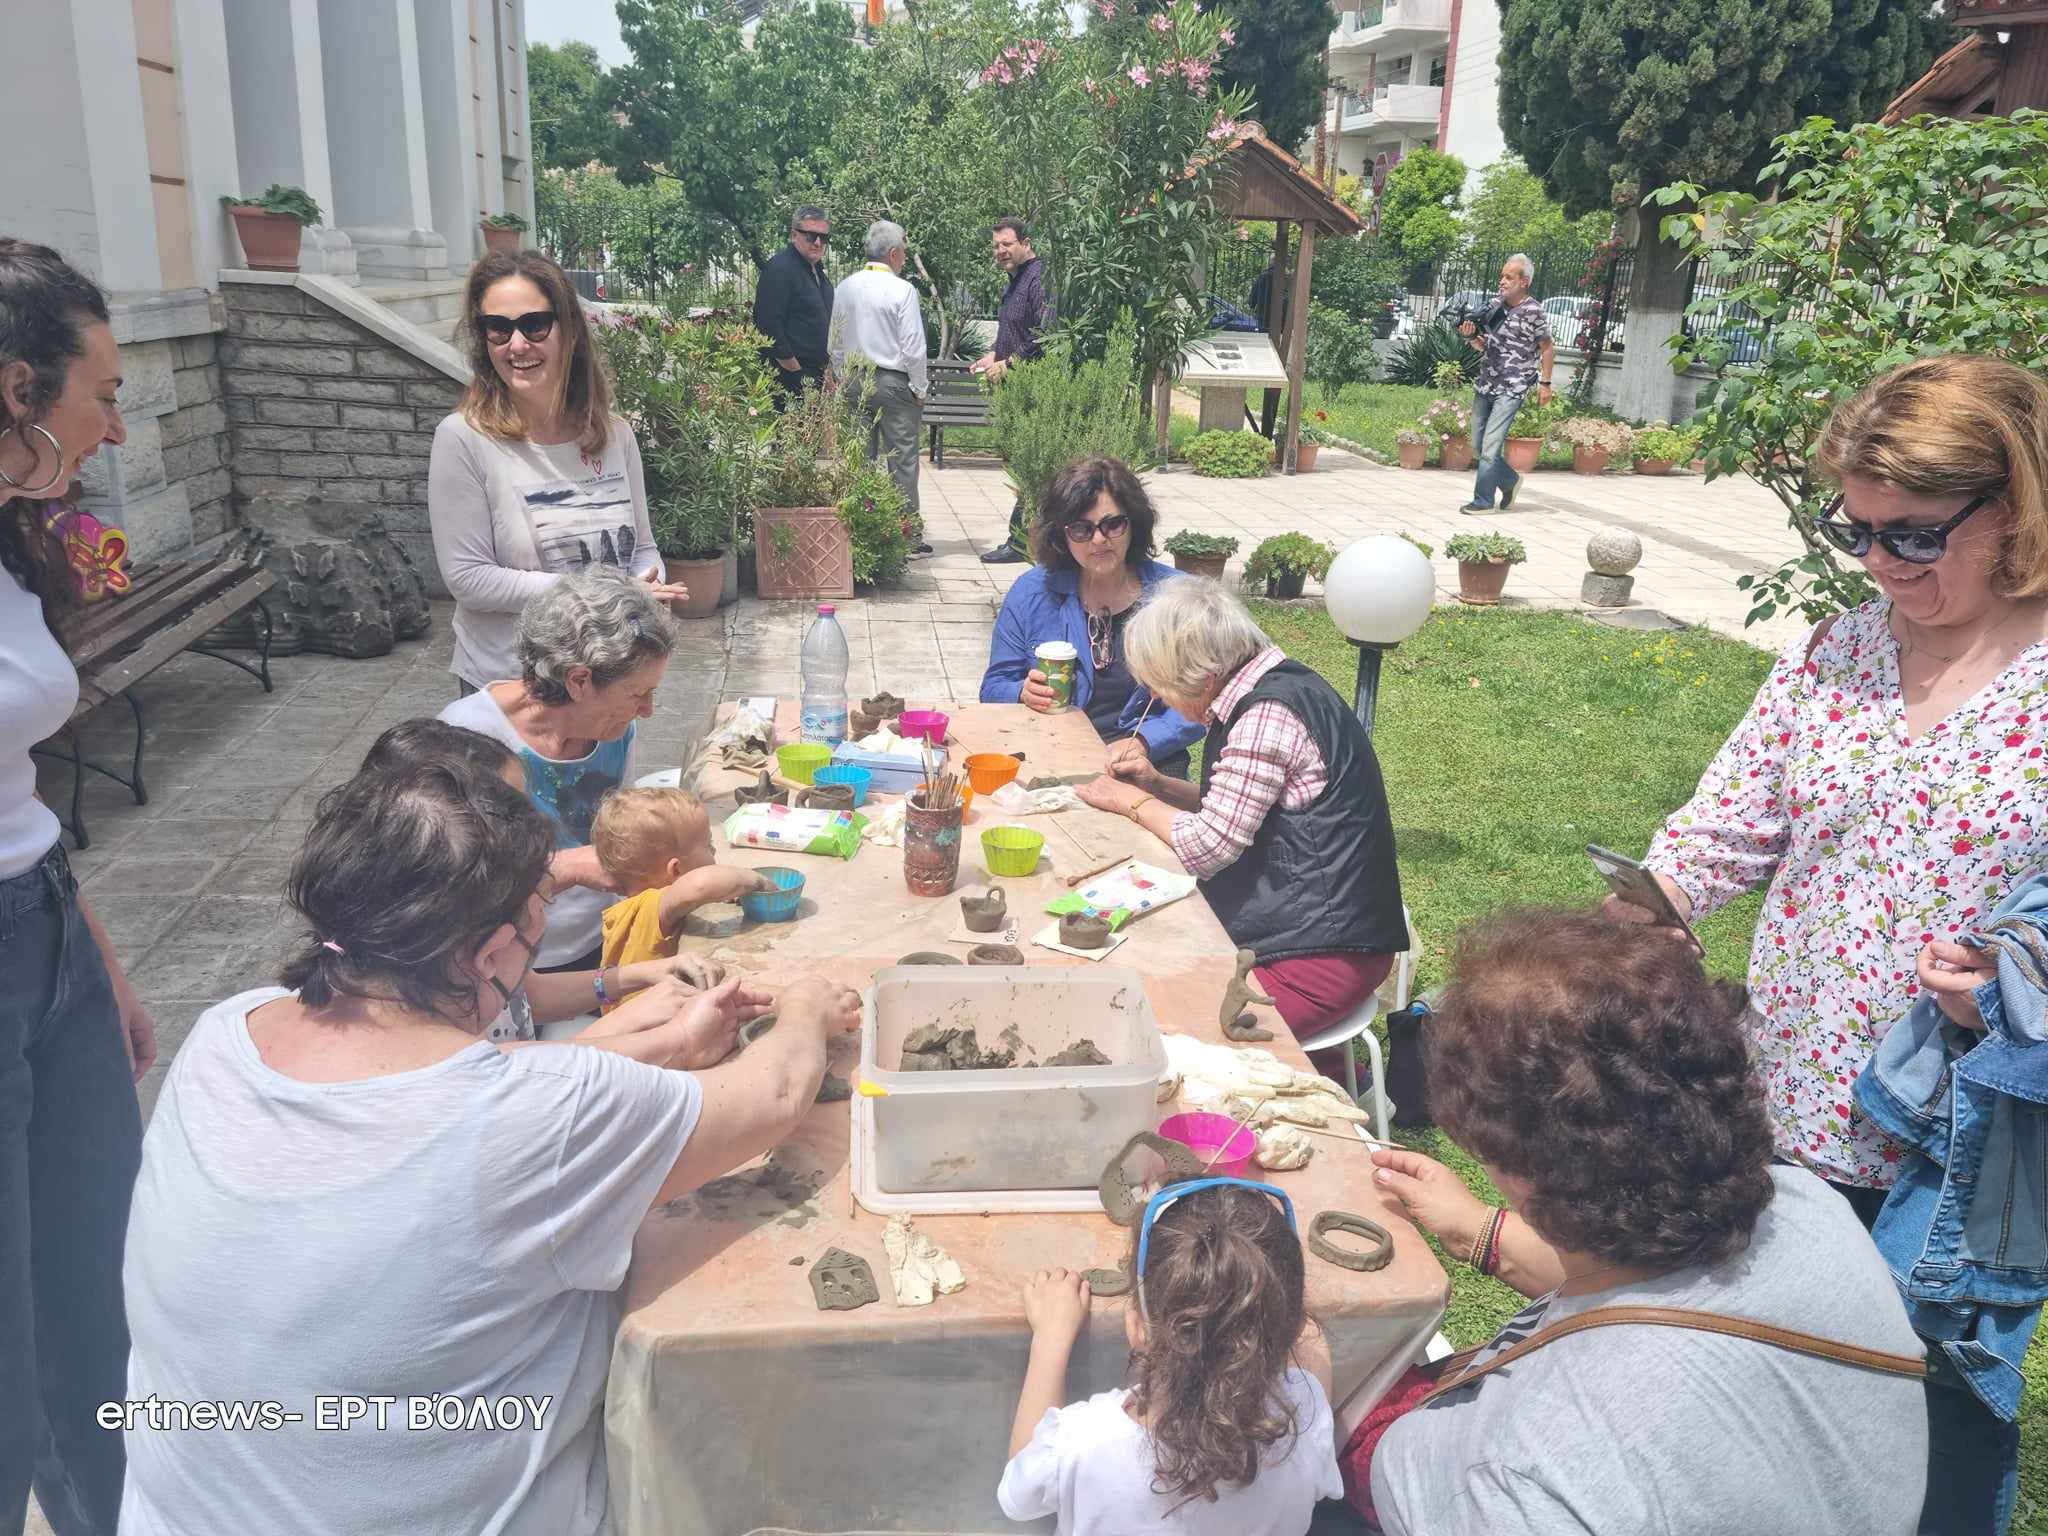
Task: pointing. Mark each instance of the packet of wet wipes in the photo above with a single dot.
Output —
(833, 833)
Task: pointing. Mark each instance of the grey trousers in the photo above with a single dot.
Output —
(891, 416)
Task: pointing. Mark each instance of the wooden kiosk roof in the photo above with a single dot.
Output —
(1262, 181)
(1982, 76)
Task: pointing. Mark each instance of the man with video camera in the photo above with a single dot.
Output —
(1514, 333)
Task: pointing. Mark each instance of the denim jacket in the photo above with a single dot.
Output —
(1046, 605)
(1965, 1229)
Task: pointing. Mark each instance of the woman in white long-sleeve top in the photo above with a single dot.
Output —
(532, 475)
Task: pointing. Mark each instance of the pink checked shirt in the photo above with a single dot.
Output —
(1872, 844)
(1268, 759)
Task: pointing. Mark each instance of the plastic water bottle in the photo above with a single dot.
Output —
(824, 662)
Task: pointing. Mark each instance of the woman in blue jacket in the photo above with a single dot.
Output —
(1093, 546)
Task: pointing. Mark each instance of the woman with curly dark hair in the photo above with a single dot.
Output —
(1225, 1429)
(73, 1035)
(1604, 1083)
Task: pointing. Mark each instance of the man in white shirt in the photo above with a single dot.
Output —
(875, 317)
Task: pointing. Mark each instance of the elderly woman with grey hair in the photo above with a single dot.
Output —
(592, 649)
(1287, 829)
(877, 347)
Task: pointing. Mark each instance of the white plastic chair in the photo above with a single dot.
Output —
(1391, 997)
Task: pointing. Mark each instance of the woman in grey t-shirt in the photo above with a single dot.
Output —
(532, 476)
(1604, 1083)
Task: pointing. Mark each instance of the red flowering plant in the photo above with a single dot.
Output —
(1120, 138)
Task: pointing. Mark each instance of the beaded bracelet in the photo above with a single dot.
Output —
(1479, 1242)
(1500, 1222)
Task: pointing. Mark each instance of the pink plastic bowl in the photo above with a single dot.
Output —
(929, 724)
(1205, 1136)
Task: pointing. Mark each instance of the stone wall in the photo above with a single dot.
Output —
(195, 437)
(320, 407)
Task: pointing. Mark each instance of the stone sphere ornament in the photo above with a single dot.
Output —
(1614, 552)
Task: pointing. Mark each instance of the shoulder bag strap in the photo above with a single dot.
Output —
(1704, 1322)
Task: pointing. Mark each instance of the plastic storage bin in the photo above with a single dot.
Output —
(1010, 1129)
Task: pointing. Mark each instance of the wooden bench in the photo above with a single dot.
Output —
(954, 398)
(167, 609)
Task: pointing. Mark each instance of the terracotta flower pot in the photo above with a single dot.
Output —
(1202, 565)
(1414, 455)
(704, 578)
(496, 239)
(1589, 461)
(270, 241)
(1523, 453)
(1654, 466)
(1457, 453)
(802, 552)
(1305, 457)
(1480, 582)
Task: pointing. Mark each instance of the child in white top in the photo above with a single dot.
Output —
(1225, 1429)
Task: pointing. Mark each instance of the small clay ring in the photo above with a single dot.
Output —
(995, 954)
(1379, 1256)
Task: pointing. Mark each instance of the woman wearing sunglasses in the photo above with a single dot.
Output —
(1226, 1426)
(1604, 1084)
(1886, 782)
(1094, 551)
(532, 475)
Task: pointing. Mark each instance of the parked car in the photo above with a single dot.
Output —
(1738, 328)
(1569, 314)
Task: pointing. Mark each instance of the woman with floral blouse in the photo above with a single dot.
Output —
(1887, 782)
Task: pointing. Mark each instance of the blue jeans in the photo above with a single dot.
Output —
(1492, 415)
(1973, 1459)
(70, 1144)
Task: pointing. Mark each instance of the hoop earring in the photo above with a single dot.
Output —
(55, 447)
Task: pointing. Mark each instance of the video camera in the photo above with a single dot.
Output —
(1488, 316)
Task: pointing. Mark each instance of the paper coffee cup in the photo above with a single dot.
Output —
(1058, 661)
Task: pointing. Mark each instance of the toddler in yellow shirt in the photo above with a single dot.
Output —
(655, 844)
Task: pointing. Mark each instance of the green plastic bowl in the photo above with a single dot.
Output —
(1011, 851)
(800, 760)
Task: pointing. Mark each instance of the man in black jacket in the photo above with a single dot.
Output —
(793, 303)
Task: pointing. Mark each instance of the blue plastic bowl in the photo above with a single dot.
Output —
(845, 773)
(778, 905)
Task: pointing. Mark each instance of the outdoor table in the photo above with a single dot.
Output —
(736, 1405)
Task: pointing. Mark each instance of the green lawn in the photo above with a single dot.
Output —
(1370, 415)
(1509, 742)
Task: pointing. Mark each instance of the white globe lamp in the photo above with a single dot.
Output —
(1378, 592)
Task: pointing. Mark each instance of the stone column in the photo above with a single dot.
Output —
(448, 99)
(281, 119)
(376, 130)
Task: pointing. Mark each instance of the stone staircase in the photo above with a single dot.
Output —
(432, 306)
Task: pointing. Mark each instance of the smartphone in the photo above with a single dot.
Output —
(1634, 884)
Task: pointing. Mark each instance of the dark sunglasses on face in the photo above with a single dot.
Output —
(1916, 546)
(823, 237)
(1083, 531)
(534, 325)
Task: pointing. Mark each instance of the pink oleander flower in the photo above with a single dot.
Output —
(1161, 23)
(1229, 37)
(1224, 128)
(1090, 87)
(1140, 76)
(1105, 7)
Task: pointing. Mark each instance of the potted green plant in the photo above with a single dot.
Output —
(802, 547)
(873, 513)
(501, 231)
(1201, 554)
(270, 226)
(1315, 436)
(1451, 424)
(692, 533)
(1230, 455)
(1285, 562)
(1529, 431)
(1412, 443)
(1658, 448)
(1595, 443)
(1483, 562)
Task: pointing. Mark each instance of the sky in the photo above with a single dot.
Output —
(577, 21)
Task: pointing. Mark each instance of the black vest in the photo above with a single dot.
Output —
(1320, 880)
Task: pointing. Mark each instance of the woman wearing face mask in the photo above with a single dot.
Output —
(73, 1036)
(348, 1190)
(1886, 785)
(532, 476)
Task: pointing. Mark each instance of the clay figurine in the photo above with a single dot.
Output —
(995, 954)
(984, 913)
(1379, 1256)
(1238, 1024)
(1084, 930)
(764, 791)
(842, 1281)
(883, 706)
(826, 797)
